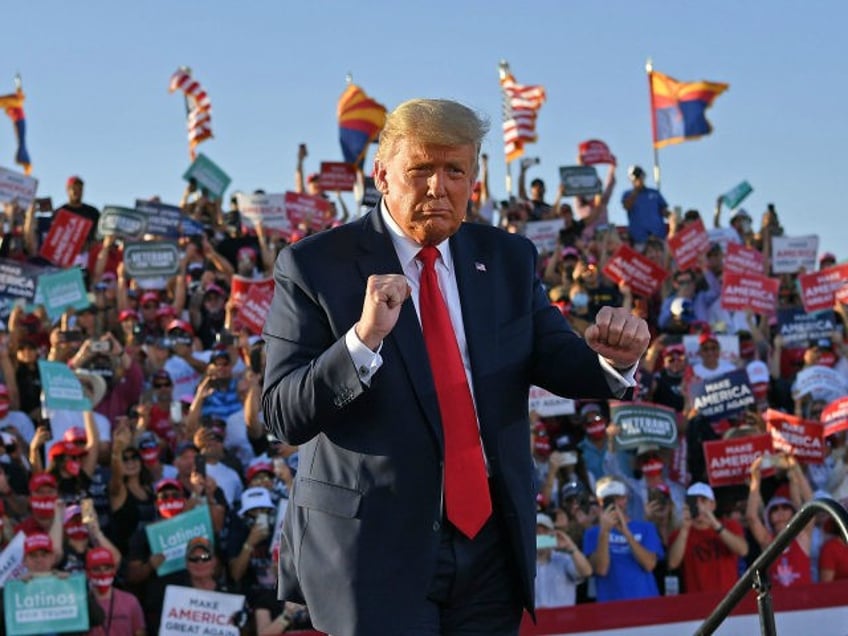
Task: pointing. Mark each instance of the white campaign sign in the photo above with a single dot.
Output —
(546, 404)
(543, 234)
(788, 255)
(269, 209)
(14, 185)
(187, 610)
(12, 558)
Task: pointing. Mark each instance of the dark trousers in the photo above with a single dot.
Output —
(475, 587)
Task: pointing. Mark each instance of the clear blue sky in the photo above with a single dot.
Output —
(96, 77)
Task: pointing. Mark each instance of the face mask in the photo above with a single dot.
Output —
(72, 467)
(101, 582)
(4, 409)
(43, 506)
(652, 467)
(77, 531)
(580, 300)
(170, 508)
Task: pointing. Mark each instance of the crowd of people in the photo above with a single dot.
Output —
(175, 383)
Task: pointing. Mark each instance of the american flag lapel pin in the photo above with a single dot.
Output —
(480, 267)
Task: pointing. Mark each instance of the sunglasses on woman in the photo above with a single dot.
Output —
(200, 558)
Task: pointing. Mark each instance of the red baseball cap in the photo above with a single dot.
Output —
(149, 297)
(166, 311)
(706, 337)
(98, 556)
(36, 542)
(65, 448)
(180, 324)
(128, 314)
(259, 467)
(169, 483)
(72, 180)
(75, 434)
(41, 480)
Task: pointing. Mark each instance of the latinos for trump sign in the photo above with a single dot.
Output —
(62, 388)
(65, 238)
(735, 196)
(802, 438)
(743, 291)
(61, 290)
(152, 259)
(46, 605)
(170, 537)
(189, 610)
(641, 423)
(123, 222)
(835, 417)
(729, 460)
(546, 404)
(739, 258)
(642, 275)
(208, 176)
(788, 255)
(722, 396)
(689, 244)
(818, 288)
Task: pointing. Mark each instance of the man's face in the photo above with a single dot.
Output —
(39, 562)
(75, 192)
(537, 191)
(709, 353)
(427, 187)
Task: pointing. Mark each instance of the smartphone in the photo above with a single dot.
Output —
(545, 542)
(45, 424)
(569, 458)
(44, 204)
(262, 520)
(692, 504)
(87, 510)
(101, 346)
(608, 501)
(200, 465)
(655, 494)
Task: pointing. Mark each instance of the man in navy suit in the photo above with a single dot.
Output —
(371, 540)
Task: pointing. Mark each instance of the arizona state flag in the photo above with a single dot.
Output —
(360, 121)
(678, 109)
(13, 104)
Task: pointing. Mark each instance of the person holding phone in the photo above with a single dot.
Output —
(709, 549)
(560, 565)
(623, 553)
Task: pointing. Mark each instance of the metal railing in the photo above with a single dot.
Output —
(756, 576)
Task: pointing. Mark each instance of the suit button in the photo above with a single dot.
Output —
(436, 526)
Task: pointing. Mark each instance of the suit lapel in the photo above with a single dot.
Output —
(379, 257)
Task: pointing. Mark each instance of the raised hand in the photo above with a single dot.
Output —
(618, 336)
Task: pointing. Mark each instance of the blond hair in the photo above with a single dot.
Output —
(432, 121)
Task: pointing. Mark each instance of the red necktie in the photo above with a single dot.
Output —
(467, 499)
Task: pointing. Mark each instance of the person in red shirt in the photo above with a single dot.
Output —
(833, 559)
(708, 549)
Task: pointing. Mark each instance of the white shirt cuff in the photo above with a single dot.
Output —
(365, 361)
(618, 380)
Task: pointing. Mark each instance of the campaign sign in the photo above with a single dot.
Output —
(189, 610)
(546, 404)
(579, 180)
(62, 290)
(593, 152)
(643, 423)
(841, 295)
(240, 287)
(729, 460)
(18, 187)
(269, 210)
(62, 388)
(370, 195)
(191, 227)
(307, 209)
(819, 382)
(735, 196)
(12, 558)
(17, 279)
(123, 222)
(802, 438)
(642, 275)
(338, 176)
(743, 291)
(151, 259)
(788, 255)
(543, 234)
(65, 238)
(818, 289)
(724, 236)
(723, 395)
(171, 536)
(738, 258)
(163, 220)
(46, 605)
(253, 311)
(689, 244)
(208, 176)
(835, 416)
(797, 327)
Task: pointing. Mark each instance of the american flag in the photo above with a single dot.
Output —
(199, 108)
(520, 105)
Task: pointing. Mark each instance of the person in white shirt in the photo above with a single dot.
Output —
(560, 565)
(711, 364)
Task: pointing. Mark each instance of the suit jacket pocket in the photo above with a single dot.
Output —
(326, 497)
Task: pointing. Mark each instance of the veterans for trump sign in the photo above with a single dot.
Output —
(818, 289)
(802, 438)
(123, 222)
(729, 460)
(641, 423)
(788, 255)
(642, 275)
(722, 396)
(689, 244)
(153, 259)
(739, 258)
(743, 291)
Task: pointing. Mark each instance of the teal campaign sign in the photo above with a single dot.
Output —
(46, 605)
(60, 291)
(151, 259)
(644, 423)
(208, 175)
(62, 389)
(171, 536)
(737, 195)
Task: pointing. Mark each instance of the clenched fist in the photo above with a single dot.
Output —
(384, 296)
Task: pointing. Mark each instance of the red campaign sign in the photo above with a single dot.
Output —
(749, 291)
(689, 244)
(253, 312)
(642, 275)
(802, 438)
(240, 287)
(835, 416)
(841, 295)
(65, 239)
(729, 460)
(337, 176)
(818, 289)
(306, 209)
(595, 151)
(739, 258)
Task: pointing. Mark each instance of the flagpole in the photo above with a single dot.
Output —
(649, 69)
(187, 71)
(503, 69)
